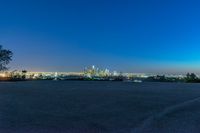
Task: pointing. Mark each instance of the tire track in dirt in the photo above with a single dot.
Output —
(146, 125)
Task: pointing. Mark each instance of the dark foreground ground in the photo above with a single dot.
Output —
(99, 107)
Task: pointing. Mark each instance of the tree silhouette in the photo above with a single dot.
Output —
(5, 58)
(191, 78)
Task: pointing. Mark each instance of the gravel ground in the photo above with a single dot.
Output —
(99, 107)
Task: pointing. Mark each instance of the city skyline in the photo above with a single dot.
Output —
(129, 36)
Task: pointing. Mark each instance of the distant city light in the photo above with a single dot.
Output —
(3, 75)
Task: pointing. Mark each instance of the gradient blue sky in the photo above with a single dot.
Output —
(151, 36)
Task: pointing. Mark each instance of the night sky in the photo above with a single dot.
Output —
(150, 36)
